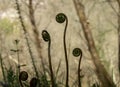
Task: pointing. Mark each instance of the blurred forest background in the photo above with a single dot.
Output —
(21, 42)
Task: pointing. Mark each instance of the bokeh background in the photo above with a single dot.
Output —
(102, 16)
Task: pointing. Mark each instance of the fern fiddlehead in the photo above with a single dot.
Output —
(23, 77)
(46, 37)
(78, 52)
(61, 18)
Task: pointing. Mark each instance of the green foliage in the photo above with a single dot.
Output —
(44, 81)
(6, 25)
(12, 78)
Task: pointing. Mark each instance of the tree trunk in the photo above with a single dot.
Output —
(102, 74)
(118, 1)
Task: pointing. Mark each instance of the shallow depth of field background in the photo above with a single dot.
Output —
(103, 22)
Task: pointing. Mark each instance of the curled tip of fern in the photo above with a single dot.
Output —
(77, 52)
(61, 17)
(45, 36)
(23, 76)
(33, 82)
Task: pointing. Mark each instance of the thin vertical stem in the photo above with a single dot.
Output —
(66, 58)
(26, 37)
(61, 18)
(79, 70)
(50, 64)
(18, 65)
(46, 38)
(78, 52)
(36, 33)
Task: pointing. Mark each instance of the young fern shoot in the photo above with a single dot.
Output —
(23, 77)
(61, 18)
(46, 38)
(78, 52)
(33, 82)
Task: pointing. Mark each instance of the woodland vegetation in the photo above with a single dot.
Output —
(60, 43)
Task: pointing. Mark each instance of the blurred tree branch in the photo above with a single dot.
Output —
(118, 28)
(103, 76)
(26, 36)
(36, 32)
(118, 1)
